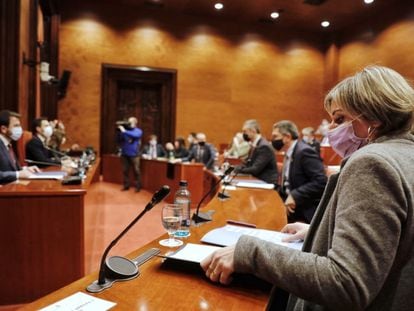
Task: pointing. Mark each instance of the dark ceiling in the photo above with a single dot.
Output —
(295, 14)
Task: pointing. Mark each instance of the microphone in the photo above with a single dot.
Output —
(62, 154)
(202, 217)
(223, 195)
(120, 268)
(41, 163)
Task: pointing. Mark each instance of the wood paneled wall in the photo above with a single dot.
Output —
(225, 74)
(392, 47)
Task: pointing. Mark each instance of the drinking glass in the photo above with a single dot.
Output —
(171, 216)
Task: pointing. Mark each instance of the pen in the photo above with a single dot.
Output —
(240, 223)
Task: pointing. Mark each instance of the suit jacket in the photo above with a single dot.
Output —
(208, 157)
(358, 253)
(307, 180)
(315, 144)
(161, 153)
(262, 163)
(36, 151)
(7, 170)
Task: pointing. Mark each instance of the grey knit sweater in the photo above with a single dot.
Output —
(359, 251)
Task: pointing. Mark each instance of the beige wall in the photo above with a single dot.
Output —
(225, 75)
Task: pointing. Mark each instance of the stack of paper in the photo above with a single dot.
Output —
(229, 235)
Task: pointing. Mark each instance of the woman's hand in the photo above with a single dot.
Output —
(297, 231)
(220, 265)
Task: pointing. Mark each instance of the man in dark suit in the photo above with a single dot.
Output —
(261, 162)
(11, 130)
(202, 152)
(303, 173)
(36, 148)
(308, 136)
(153, 149)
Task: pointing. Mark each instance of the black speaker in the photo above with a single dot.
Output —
(63, 83)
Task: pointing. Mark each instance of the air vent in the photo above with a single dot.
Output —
(314, 2)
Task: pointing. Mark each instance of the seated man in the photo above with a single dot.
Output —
(303, 174)
(153, 149)
(308, 136)
(202, 152)
(261, 162)
(10, 130)
(36, 148)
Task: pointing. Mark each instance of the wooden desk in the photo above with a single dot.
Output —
(160, 287)
(156, 173)
(41, 237)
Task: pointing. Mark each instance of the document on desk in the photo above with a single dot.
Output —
(192, 252)
(80, 301)
(255, 185)
(58, 175)
(229, 235)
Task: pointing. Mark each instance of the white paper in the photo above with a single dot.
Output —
(49, 175)
(80, 302)
(193, 252)
(255, 185)
(229, 235)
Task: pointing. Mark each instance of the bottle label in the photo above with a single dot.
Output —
(184, 230)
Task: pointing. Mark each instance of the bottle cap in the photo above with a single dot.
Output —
(183, 183)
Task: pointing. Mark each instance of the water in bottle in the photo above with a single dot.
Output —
(183, 197)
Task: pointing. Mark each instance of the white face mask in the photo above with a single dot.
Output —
(47, 131)
(153, 142)
(16, 133)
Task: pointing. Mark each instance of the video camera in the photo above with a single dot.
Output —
(125, 124)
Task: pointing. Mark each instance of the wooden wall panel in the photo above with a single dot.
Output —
(392, 47)
(225, 74)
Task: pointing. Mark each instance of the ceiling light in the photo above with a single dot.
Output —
(218, 6)
(274, 15)
(368, 1)
(325, 24)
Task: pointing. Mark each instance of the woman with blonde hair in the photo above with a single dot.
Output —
(358, 252)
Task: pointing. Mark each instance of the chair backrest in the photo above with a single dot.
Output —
(329, 156)
(21, 146)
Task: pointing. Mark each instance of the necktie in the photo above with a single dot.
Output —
(285, 174)
(12, 156)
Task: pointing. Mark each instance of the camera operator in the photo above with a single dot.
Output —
(129, 139)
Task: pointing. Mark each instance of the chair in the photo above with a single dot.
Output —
(21, 147)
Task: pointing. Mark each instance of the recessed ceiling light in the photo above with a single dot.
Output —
(325, 24)
(368, 1)
(274, 15)
(218, 6)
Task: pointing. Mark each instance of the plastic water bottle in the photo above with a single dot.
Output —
(183, 197)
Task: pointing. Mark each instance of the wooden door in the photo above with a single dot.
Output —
(145, 93)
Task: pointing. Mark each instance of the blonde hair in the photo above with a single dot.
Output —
(378, 94)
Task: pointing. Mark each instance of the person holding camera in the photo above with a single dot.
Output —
(129, 139)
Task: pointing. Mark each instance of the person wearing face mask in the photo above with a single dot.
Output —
(308, 136)
(202, 152)
(303, 173)
(358, 252)
(129, 140)
(153, 149)
(261, 162)
(11, 131)
(36, 148)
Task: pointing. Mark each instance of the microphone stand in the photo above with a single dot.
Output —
(102, 282)
(41, 163)
(203, 217)
(223, 195)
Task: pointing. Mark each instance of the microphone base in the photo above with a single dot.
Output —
(223, 196)
(201, 217)
(97, 288)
